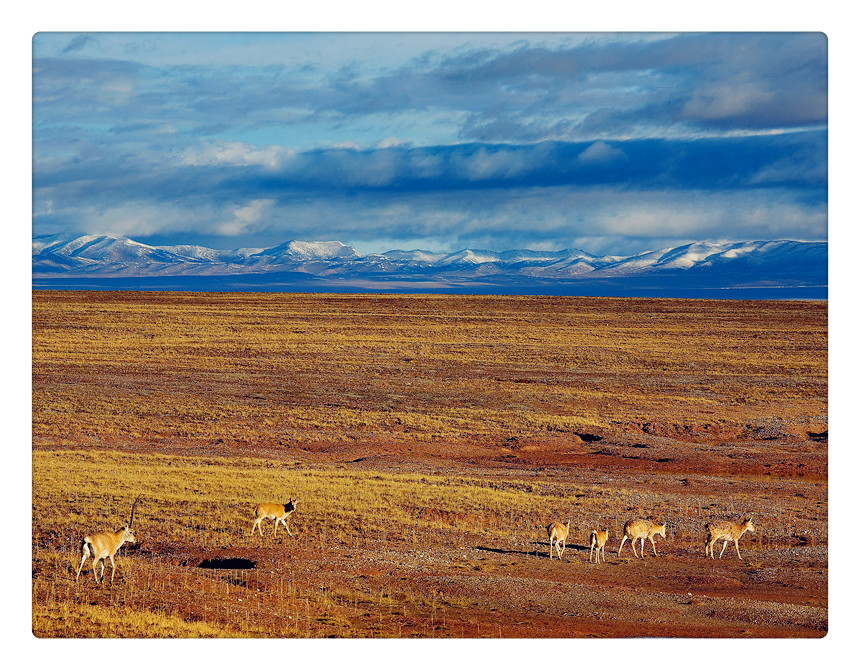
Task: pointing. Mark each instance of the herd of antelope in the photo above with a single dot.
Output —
(642, 529)
(104, 545)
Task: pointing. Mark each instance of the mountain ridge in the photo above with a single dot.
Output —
(710, 264)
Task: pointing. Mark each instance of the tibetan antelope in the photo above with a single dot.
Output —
(557, 533)
(275, 511)
(726, 531)
(104, 545)
(639, 529)
(597, 540)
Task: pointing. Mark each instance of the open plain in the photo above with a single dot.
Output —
(429, 441)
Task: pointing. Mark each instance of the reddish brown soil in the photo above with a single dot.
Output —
(466, 586)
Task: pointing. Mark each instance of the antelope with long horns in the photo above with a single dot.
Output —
(557, 533)
(726, 531)
(275, 511)
(104, 545)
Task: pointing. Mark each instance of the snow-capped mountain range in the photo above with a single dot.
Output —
(716, 264)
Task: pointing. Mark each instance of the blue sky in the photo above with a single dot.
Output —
(612, 143)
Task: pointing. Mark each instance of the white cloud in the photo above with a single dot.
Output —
(485, 164)
(246, 218)
(726, 100)
(389, 142)
(234, 154)
(131, 219)
(600, 152)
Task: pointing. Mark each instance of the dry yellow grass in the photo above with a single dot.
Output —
(204, 505)
(245, 388)
(282, 367)
(209, 501)
(64, 619)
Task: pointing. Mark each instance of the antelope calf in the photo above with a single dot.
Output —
(597, 540)
(726, 531)
(275, 511)
(104, 545)
(639, 529)
(557, 533)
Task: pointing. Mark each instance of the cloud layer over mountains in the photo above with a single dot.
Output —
(614, 143)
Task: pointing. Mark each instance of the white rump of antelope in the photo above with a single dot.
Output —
(104, 545)
(639, 529)
(726, 531)
(597, 540)
(557, 533)
(275, 511)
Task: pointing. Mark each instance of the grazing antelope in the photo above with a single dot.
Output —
(104, 545)
(639, 529)
(598, 541)
(726, 530)
(557, 532)
(279, 513)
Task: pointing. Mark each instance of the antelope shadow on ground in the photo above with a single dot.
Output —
(519, 552)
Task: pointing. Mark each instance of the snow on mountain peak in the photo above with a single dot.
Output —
(470, 256)
(413, 256)
(298, 250)
(726, 263)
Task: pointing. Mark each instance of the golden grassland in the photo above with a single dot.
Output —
(206, 404)
(209, 501)
(206, 503)
(283, 367)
